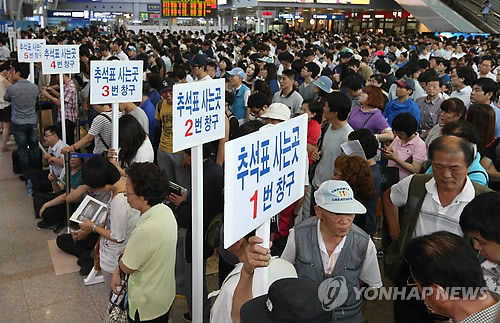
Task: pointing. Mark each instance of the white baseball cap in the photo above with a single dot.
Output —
(278, 111)
(337, 197)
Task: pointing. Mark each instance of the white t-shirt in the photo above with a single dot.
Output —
(490, 76)
(370, 272)
(205, 78)
(121, 221)
(221, 310)
(56, 151)
(145, 153)
(463, 94)
(433, 216)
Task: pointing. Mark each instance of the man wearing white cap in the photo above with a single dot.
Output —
(276, 113)
(331, 246)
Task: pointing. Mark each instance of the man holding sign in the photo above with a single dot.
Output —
(326, 247)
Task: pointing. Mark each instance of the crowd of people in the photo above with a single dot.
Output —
(421, 113)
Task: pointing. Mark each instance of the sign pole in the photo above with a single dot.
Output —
(61, 100)
(197, 246)
(260, 276)
(32, 72)
(114, 114)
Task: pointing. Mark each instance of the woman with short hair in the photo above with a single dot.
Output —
(149, 257)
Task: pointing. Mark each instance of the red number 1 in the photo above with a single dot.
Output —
(254, 199)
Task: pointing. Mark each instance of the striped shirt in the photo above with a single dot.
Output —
(101, 125)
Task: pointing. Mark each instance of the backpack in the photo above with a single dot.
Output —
(212, 236)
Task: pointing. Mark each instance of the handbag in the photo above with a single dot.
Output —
(117, 310)
(389, 176)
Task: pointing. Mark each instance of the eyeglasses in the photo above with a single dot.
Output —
(127, 193)
(46, 135)
(255, 114)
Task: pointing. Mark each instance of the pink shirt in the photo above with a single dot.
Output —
(415, 149)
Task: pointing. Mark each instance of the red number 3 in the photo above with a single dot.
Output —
(105, 88)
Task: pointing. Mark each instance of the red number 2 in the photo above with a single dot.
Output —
(105, 88)
(53, 64)
(189, 124)
(254, 200)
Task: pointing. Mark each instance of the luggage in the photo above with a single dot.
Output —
(16, 166)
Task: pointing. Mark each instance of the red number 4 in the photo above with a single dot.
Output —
(53, 64)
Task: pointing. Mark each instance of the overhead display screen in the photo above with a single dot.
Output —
(189, 8)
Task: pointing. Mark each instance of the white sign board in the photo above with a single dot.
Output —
(198, 113)
(264, 173)
(30, 50)
(60, 59)
(115, 81)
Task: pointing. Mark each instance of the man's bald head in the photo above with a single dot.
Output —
(452, 145)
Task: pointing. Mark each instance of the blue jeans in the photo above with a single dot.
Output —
(27, 145)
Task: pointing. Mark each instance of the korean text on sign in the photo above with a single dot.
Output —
(264, 174)
(115, 81)
(198, 113)
(57, 59)
(30, 50)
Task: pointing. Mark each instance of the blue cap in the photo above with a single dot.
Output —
(324, 83)
(198, 60)
(237, 71)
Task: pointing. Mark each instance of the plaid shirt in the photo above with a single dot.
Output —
(70, 102)
(488, 315)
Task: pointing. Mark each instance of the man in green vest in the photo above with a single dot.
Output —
(428, 203)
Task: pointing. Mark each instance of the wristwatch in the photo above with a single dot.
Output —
(93, 228)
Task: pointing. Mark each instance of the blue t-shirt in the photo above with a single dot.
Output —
(476, 173)
(149, 109)
(393, 108)
(154, 96)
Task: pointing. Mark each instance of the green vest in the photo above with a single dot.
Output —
(408, 216)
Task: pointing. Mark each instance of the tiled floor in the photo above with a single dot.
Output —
(29, 289)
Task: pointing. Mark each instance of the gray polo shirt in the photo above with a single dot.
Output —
(293, 100)
(23, 95)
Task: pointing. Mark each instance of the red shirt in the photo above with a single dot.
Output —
(313, 133)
